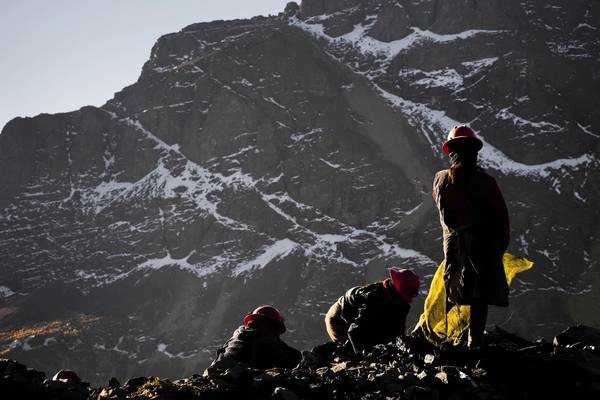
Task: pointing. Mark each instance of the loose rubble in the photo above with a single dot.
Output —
(509, 368)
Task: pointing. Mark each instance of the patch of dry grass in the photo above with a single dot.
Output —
(155, 386)
(67, 327)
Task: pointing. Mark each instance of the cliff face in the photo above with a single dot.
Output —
(281, 160)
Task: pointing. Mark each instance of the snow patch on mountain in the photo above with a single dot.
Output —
(330, 164)
(523, 123)
(162, 348)
(586, 130)
(177, 177)
(569, 48)
(431, 121)
(169, 261)
(359, 38)
(192, 181)
(447, 78)
(279, 249)
(476, 66)
(6, 292)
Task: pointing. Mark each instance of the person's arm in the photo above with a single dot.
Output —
(222, 350)
(434, 185)
(501, 212)
(437, 180)
(359, 330)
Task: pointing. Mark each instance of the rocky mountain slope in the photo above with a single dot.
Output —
(282, 159)
(511, 368)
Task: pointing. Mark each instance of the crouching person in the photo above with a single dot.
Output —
(257, 343)
(376, 313)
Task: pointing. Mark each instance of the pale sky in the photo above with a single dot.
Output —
(59, 55)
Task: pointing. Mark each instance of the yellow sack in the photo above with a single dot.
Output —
(439, 326)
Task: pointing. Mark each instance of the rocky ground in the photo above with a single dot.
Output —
(509, 368)
(283, 159)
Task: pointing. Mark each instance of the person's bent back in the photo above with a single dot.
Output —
(373, 314)
(257, 342)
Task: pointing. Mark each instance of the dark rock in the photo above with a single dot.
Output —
(399, 370)
(421, 393)
(501, 339)
(135, 383)
(393, 388)
(579, 335)
(309, 8)
(291, 9)
(34, 376)
(11, 367)
(409, 379)
(392, 23)
(68, 391)
(240, 375)
(219, 367)
(281, 393)
(585, 360)
(326, 350)
(267, 378)
(311, 360)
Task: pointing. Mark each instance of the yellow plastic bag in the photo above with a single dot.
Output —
(439, 326)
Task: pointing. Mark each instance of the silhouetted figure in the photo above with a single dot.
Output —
(375, 313)
(66, 384)
(475, 227)
(257, 342)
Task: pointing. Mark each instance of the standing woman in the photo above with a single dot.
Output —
(475, 229)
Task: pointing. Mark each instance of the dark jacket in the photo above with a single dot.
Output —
(260, 348)
(475, 227)
(375, 314)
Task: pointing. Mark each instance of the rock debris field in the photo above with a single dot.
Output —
(509, 367)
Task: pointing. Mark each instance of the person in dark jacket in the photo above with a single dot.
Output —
(257, 342)
(376, 313)
(475, 226)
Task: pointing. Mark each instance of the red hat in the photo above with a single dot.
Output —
(406, 283)
(462, 133)
(66, 375)
(266, 312)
